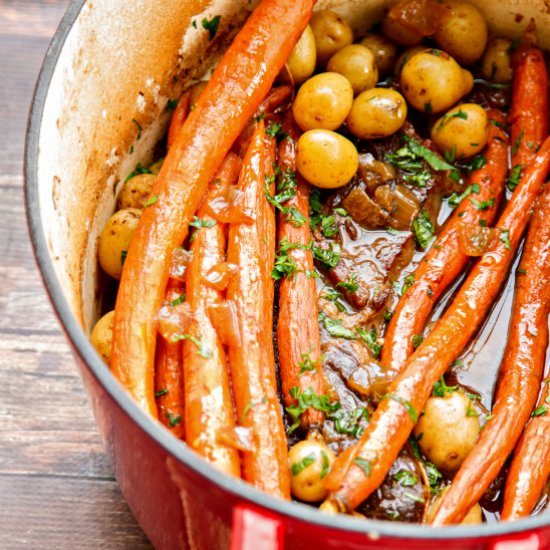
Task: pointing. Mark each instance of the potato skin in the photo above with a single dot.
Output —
(326, 159)
(331, 31)
(404, 57)
(102, 336)
(448, 433)
(432, 81)
(462, 31)
(136, 191)
(115, 238)
(307, 478)
(384, 51)
(357, 64)
(323, 101)
(302, 60)
(496, 62)
(377, 113)
(464, 130)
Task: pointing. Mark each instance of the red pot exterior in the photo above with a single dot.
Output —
(179, 508)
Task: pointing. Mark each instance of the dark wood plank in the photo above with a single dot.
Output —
(62, 493)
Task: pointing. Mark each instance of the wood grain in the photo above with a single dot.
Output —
(59, 484)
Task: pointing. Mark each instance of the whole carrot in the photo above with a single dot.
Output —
(528, 116)
(519, 376)
(169, 374)
(241, 80)
(208, 401)
(252, 364)
(358, 471)
(297, 327)
(445, 261)
(178, 118)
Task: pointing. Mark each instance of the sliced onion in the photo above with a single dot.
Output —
(224, 318)
(173, 320)
(474, 239)
(237, 437)
(400, 202)
(228, 205)
(219, 276)
(180, 260)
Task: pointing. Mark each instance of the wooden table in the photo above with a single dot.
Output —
(56, 482)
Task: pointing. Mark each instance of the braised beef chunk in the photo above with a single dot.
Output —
(402, 496)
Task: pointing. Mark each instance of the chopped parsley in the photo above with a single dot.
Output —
(332, 295)
(284, 266)
(139, 169)
(249, 407)
(177, 301)
(517, 143)
(405, 478)
(328, 257)
(423, 229)
(325, 465)
(515, 177)
(350, 284)
(307, 364)
(455, 199)
(160, 393)
(446, 117)
(416, 340)
(349, 422)
(483, 205)
(540, 411)
(305, 400)
(297, 467)
(335, 328)
(151, 200)
(521, 271)
(273, 130)
(371, 339)
(441, 388)
(407, 283)
(203, 351)
(171, 105)
(173, 420)
(211, 25)
(405, 403)
(198, 222)
(364, 464)
(138, 126)
(505, 238)
(123, 254)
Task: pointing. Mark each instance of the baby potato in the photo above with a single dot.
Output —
(323, 101)
(331, 31)
(301, 62)
(462, 31)
(449, 428)
(310, 462)
(156, 166)
(377, 113)
(136, 191)
(115, 238)
(357, 64)
(432, 81)
(495, 64)
(384, 51)
(326, 159)
(405, 56)
(464, 130)
(102, 336)
(473, 517)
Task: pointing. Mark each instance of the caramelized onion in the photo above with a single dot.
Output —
(223, 317)
(227, 205)
(417, 16)
(180, 259)
(364, 210)
(400, 202)
(218, 277)
(371, 380)
(474, 239)
(173, 320)
(236, 437)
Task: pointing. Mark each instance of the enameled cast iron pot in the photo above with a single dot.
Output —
(99, 108)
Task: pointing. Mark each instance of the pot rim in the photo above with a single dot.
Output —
(153, 429)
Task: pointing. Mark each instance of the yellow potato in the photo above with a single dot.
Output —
(326, 159)
(136, 191)
(463, 131)
(323, 101)
(432, 81)
(102, 336)
(462, 31)
(357, 64)
(310, 461)
(384, 51)
(405, 56)
(301, 62)
(115, 240)
(495, 64)
(447, 430)
(331, 32)
(377, 113)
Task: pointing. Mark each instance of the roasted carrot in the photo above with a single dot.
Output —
(252, 364)
(297, 327)
(519, 376)
(169, 374)
(531, 464)
(241, 80)
(178, 118)
(208, 401)
(528, 118)
(445, 260)
(358, 471)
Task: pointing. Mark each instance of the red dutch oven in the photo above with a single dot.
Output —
(97, 109)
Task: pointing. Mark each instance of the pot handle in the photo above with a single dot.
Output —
(254, 528)
(532, 542)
